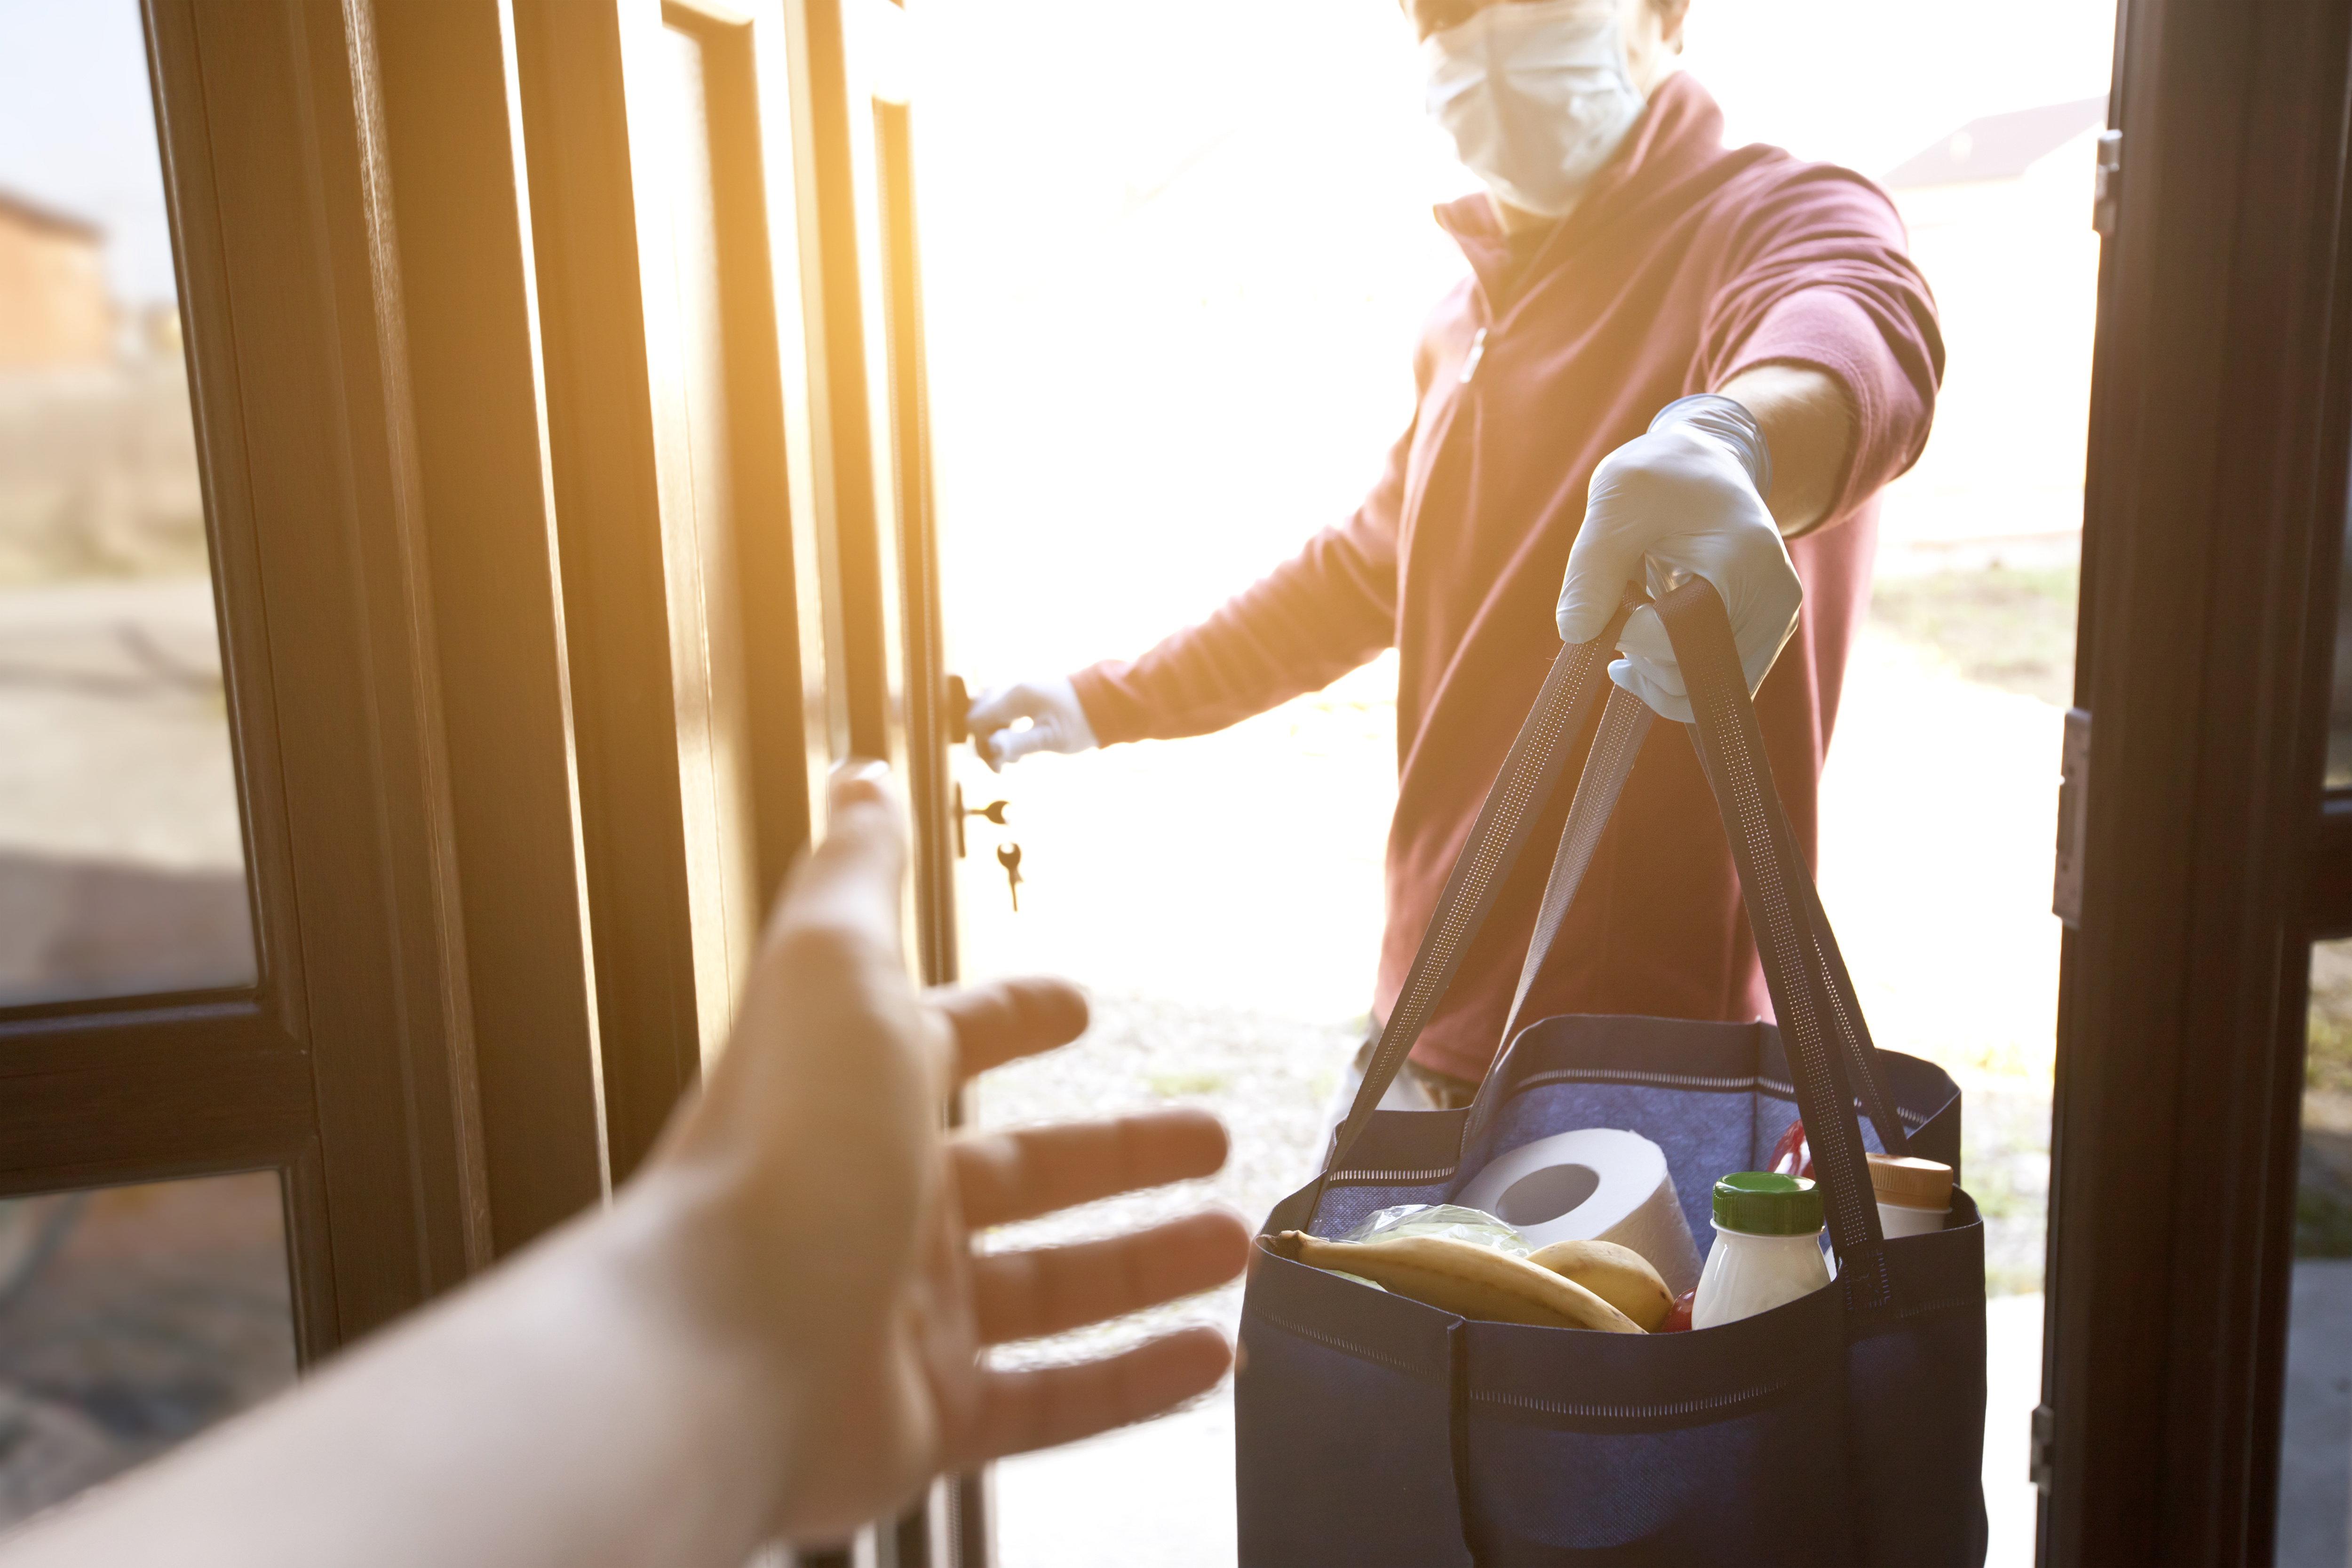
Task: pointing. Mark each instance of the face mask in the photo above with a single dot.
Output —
(1534, 96)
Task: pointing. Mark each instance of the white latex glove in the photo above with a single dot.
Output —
(1684, 498)
(1058, 722)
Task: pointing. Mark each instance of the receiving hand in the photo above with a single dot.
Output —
(1058, 722)
(835, 1218)
(1686, 498)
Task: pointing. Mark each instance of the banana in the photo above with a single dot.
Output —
(1618, 1275)
(1456, 1276)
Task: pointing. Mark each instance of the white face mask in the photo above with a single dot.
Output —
(1536, 97)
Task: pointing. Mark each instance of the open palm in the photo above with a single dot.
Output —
(849, 1214)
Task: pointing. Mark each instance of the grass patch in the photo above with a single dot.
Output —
(2000, 627)
(2322, 1223)
(2327, 1049)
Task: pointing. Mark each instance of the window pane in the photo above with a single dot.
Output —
(2314, 1507)
(131, 1318)
(121, 859)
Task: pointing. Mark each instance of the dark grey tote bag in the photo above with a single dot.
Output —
(1844, 1427)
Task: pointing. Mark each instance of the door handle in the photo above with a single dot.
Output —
(958, 704)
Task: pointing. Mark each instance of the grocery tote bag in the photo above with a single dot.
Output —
(1844, 1428)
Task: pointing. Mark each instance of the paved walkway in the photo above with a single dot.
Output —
(2314, 1507)
(121, 851)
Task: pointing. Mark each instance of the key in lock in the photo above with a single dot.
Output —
(1009, 857)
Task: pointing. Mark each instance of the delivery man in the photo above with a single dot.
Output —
(1670, 357)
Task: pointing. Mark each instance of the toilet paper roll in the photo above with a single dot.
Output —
(1597, 1184)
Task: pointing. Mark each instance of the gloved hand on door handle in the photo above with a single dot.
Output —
(1684, 498)
(1058, 722)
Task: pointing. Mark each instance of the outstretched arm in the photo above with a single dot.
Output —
(774, 1331)
(1809, 424)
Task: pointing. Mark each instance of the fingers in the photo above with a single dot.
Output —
(848, 885)
(1024, 1410)
(1762, 622)
(1606, 556)
(1591, 592)
(1599, 570)
(1644, 640)
(1633, 676)
(1006, 1019)
(1002, 1177)
(1000, 705)
(989, 721)
(1057, 715)
(1024, 1295)
(1012, 746)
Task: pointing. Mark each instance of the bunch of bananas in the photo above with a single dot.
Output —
(1568, 1285)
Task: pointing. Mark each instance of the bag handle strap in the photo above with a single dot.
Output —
(1497, 837)
(1624, 725)
(1842, 1009)
(1801, 966)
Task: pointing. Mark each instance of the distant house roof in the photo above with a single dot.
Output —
(1999, 146)
(33, 215)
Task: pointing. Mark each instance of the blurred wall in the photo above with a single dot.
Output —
(53, 304)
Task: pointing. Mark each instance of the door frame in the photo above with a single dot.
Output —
(2214, 512)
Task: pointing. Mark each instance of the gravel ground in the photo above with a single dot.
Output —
(1267, 1078)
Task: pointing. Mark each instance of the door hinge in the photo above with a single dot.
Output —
(2042, 1458)
(2074, 818)
(2107, 191)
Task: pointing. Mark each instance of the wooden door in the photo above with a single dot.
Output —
(555, 369)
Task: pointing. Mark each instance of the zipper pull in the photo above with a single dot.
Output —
(1470, 361)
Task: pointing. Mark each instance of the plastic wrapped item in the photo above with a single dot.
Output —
(1474, 1226)
(1793, 1155)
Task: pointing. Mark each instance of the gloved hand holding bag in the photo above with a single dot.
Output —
(1684, 498)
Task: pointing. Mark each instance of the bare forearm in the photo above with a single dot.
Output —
(1809, 428)
(733, 1350)
(556, 1414)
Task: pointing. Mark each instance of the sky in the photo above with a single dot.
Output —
(1867, 83)
(78, 131)
(1862, 82)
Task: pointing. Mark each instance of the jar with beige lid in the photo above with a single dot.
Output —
(1915, 1196)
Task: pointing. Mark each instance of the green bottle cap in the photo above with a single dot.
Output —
(1762, 1204)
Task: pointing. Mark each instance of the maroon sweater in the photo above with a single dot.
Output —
(1685, 264)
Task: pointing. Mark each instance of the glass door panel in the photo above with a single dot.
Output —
(131, 1318)
(121, 849)
(2315, 1505)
